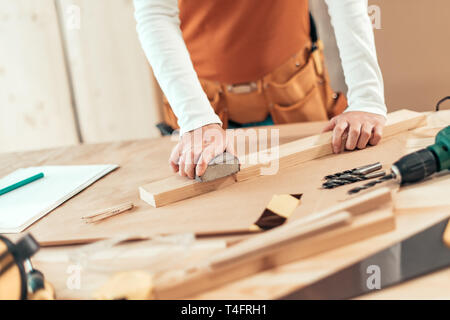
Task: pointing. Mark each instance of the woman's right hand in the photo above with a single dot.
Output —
(197, 148)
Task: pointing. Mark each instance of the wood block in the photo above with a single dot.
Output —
(176, 188)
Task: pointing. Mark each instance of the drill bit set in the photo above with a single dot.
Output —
(366, 172)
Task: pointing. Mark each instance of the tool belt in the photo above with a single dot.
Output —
(297, 91)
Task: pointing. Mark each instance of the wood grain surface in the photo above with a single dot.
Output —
(147, 159)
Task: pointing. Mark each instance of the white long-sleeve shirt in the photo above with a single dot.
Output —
(158, 27)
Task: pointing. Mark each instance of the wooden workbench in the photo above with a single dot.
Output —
(146, 160)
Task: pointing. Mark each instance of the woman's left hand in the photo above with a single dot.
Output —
(362, 128)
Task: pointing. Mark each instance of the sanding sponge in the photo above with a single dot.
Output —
(222, 165)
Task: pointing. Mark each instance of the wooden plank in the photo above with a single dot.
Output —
(173, 189)
(226, 267)
(160, 193)
(35, 102)
(116, 95)
(302, 150)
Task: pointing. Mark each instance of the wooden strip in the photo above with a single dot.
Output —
(357, 205)
(300, 227)
(362, 227)
(271, 242)
(107, 213)
(175, 188)
(302, 150)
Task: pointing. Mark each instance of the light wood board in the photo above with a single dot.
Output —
(35, 102)
(174, 188)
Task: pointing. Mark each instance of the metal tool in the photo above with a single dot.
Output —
(418, 165)
(13, 276)
(418, 255)
(351, 178)
(18, 278)
(221, 166)
(357, 171)
(354, 175)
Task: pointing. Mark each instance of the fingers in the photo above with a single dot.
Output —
(366, 133)
(330, 125)
(353, 135)
(338, 131)
(181, 165)
(207, 155)
(189, 164)
(377, 134)
(175, 157)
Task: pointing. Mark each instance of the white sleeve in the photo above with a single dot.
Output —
(355, 39)
(158, 27)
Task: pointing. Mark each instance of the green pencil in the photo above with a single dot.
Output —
(21, 183)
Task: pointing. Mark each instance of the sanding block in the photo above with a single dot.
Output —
(223, 165)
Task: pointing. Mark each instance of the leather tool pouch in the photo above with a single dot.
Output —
(304, 92)
(300, 90)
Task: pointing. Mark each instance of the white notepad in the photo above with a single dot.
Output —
(22, 207)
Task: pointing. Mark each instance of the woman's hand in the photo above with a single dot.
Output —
(197, 148)
(362, 128)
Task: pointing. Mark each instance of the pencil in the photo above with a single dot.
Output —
(107, 213)
(21, 183)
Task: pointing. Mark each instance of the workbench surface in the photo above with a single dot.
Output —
(144, 161)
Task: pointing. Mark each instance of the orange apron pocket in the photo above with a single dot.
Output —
(308, 109)
(294, 89)
(247, 107)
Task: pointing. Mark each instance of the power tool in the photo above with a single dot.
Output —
(418, 165)
(18, 279)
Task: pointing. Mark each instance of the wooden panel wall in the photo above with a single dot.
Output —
(116, 96)
(35, 104)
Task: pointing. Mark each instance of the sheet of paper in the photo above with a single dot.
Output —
(23, 206)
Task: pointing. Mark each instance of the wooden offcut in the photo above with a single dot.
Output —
(176, 188)
(370, 215)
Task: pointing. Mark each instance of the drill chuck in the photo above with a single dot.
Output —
(415, 166)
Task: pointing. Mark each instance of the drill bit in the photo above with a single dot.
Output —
(372, 183)
(358, 171)
(350, 178)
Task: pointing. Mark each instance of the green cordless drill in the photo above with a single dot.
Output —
(418, 165)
